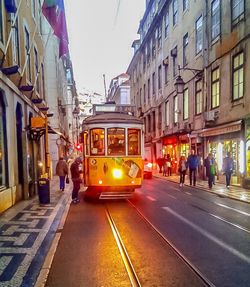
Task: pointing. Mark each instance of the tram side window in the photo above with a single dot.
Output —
(134, 142)
(86, 143)
(116, 141)
(97, 142)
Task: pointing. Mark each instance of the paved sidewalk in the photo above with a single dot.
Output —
(26, 233)
(233, 192)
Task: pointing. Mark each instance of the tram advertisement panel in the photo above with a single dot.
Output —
(114, 171)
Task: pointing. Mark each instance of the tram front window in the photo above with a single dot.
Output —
(134, 142)
(116, 141)
(97, 142)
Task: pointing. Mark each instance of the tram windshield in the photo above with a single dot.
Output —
(120, 141)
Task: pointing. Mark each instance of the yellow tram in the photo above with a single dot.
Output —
(113, 155)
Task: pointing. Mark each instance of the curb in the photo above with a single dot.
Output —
(44, 271)
(205, 189)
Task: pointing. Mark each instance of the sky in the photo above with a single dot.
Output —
(100, 39)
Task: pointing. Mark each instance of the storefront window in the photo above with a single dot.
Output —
(220, 151)
(248, 159)
(247, 139)
(171, 149)
(184, 149)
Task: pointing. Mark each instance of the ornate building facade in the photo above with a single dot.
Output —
(189, 80)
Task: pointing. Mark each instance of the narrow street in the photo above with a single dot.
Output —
(173, 236)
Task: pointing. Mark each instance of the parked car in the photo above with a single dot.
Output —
(148, 169)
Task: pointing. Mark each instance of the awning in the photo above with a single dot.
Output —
(10, 6)
(223, 129)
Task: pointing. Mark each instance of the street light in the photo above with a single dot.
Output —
(75, 115)
(179, 83)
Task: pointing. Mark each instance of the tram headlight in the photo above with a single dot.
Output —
(117, 173)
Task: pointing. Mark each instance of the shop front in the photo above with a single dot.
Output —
(170, 146)
(221, 140)
(246, 182)
(176, 146)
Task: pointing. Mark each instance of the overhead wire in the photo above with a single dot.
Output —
(117, 11)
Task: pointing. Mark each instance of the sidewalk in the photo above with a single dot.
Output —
(26, 233)
(233, 192)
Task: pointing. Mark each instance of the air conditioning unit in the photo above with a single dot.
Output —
(186, 126)
(173, 52)
(211, 116)
(166, 61)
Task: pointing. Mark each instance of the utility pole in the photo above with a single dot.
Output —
(47, 155)
(105, 89)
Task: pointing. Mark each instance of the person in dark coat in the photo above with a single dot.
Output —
(228, 165)
(75, 176)
(192, 162)
(62, 172)
(210, 166)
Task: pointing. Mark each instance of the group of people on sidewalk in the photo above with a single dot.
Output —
(192, 163)
(62, 170)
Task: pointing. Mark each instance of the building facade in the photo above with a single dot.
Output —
(24, 96)
(203, 46)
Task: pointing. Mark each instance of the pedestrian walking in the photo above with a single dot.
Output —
(228, 166)
(165, 168)
(210, 166)
(169, 165)
(192, 163)
(182, 169)
(62, 172)
(75, 176)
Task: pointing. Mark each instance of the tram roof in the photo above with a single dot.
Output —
(113, 117)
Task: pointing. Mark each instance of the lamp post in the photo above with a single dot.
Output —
(46, 141)
(75, 115)
(179, 83)
(179, 86)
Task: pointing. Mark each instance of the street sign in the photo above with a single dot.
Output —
(37, 122)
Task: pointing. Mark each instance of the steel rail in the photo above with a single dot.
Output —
(203, 278)
(126, 260)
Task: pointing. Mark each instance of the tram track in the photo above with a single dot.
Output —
(134, 280)
(193, 268)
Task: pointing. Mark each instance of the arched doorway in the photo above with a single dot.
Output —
(30, 163)
(19, 142)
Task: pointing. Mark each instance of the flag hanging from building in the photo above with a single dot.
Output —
(54, 12)
(10, 6)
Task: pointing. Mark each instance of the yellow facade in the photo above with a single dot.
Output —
(22, 37)
(22, 50)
